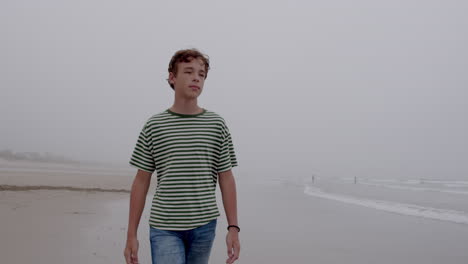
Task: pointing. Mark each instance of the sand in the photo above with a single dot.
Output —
(280, 224)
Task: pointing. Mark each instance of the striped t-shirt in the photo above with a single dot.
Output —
(187, 152)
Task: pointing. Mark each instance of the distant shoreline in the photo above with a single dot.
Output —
(67, 188)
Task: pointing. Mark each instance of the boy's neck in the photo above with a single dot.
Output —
(189, 107)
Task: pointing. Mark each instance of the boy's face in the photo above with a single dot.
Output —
(189, 80)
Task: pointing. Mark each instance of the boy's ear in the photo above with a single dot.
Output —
(171, 78)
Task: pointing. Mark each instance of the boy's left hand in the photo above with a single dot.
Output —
(233, 245)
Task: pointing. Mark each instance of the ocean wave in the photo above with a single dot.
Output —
(458, 217)
(419, 189)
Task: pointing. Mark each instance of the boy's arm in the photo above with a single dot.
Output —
(137, 204)
(227, 185)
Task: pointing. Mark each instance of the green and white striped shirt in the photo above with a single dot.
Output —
(187, 152)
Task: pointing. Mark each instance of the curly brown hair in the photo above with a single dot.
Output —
(187, 55)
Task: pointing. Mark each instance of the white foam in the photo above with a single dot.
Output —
(447, 182)
(420, 189)
(393, 207)
(458, 183)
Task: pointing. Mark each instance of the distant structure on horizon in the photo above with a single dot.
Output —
(35, 156)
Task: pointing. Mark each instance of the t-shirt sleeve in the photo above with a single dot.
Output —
(227, 159)
(142, 157)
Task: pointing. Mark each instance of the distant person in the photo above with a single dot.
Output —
(190, 149)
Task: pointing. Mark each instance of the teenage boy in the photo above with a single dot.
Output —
(190, 149)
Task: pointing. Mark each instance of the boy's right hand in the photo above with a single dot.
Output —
(131, 251)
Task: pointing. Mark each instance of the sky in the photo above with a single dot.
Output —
(328, 88)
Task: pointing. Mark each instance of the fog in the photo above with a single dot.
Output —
(330, 88)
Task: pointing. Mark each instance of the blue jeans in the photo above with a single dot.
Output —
(182, 247)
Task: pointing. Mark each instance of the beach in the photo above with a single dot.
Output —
(65, 214)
